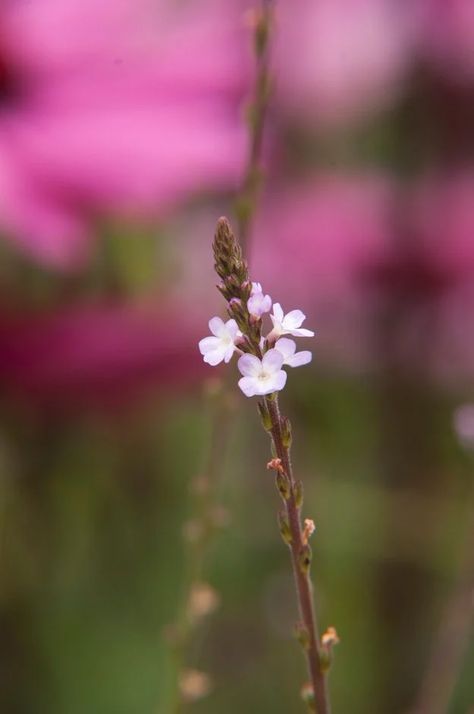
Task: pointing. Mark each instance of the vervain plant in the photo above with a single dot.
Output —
(261, 361)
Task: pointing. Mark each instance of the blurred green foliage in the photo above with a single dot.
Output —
(92, 556)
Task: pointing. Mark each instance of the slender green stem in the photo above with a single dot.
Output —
(300, 557)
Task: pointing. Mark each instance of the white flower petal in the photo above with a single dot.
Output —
(232, 329)
(299, 359)
(249, 365)
(258, 304)
(278, 381)
(214, 357)
(207, 344)
(293, 319)
(272, 361)
(217, 327)
(277, 312)
(302, 332)
(229, 352)
(248, 385)
(256, 288)
(253, 304)
(286, 347)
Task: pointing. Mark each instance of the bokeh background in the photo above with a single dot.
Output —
(123, 137)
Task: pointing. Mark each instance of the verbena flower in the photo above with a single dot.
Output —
(258, 303)
(221, 345)
(261, 360)
(289, 324)
(290, 357)
(262, 376)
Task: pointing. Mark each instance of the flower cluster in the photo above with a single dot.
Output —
(261, 357)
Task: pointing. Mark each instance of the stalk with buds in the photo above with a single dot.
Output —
(261, 362)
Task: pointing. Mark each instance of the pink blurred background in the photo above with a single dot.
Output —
(132, 114)
(123, 137)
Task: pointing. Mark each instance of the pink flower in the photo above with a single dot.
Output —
(289, 324)
(105, 355)
(262, 376)
(291, 357)
(124, 107)
(258, 304)
(339, 60)
(337, 244)
(221, 345)
(447, 36)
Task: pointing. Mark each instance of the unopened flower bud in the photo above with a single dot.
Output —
(284, 527)
(308, 530)
(302, 635)
(330, 637)
(236, 310)
(328, 640)
(264, 415)
(275, 465)
(307, 695)
(283, 485)
(194, 685)
(286, 432)
(246, 289)
(203, 600)
(298, 491)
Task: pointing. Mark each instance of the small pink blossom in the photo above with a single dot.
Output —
(262, 376)
(221, 345)
(258, 303)
(290, 357)
(289, 324)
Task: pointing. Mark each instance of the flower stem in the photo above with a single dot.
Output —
(246, 202)
(206, 518)
(300, 556)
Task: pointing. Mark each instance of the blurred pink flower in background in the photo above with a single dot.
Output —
(447, 36)
(343, 246)
(122, 107)
(340, 60)
(312, 240)
(443, 223)
(103, 355)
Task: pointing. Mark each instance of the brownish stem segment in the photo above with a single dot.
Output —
(302, 579)
(247, 200)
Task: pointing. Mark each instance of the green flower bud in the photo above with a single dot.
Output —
(284, 527)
